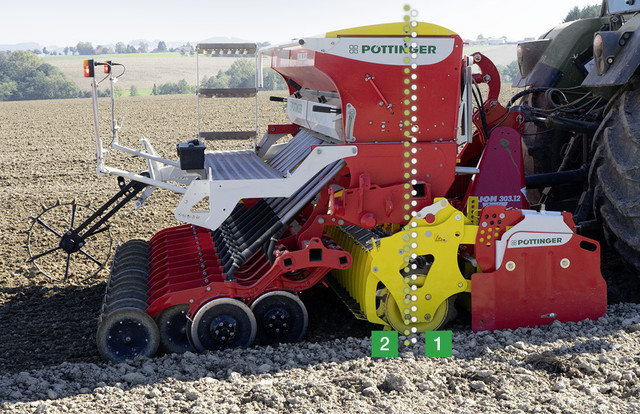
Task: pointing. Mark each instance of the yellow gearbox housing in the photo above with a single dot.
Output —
(407, 280)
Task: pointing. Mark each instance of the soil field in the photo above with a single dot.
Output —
(48, 357)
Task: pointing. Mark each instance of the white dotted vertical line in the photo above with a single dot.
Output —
(411, 167)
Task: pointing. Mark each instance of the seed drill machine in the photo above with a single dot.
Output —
(384, 190)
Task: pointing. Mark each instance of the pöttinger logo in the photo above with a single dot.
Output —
(531, 239)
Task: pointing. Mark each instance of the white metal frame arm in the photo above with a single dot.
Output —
(160, 169)
(225, 194)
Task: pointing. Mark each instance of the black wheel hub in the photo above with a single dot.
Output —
(277, 321)
(71, 242)
(223, 329)
(281, 317)
(221, 324)
(127, 336)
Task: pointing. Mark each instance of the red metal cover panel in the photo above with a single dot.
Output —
(385, 163)
(501, 178)
(546, 283)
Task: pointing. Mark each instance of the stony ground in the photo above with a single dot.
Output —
(48, 359)
(571, 368)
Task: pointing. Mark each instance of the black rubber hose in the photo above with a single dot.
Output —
(523, 93)
(480, 105)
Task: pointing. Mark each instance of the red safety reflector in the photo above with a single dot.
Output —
(88, 68)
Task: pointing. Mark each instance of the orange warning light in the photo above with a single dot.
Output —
(88, 68)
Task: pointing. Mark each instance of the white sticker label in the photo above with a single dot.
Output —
(391, 51)
(533, 239)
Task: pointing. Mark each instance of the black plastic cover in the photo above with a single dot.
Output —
(191, 155)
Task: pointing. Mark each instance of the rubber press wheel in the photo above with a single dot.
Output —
(281, 317)
(124, 303)
(116, 295)
(127, 333)
(134, 244)
(128, 284)
(130, 263)
(130, 274)
(223, 323)
(172, 324)
(132, 249)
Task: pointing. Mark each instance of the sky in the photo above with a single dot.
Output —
(66, 22)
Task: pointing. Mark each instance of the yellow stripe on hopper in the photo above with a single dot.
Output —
(393, 29)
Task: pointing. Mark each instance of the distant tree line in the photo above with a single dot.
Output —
(86, 48)
(23, 75)
(582, 13)
(241, 74)
(172, 88)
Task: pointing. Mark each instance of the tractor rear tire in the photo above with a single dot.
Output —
(615, 175)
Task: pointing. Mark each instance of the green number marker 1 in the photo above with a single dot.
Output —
(384, 344)
(438, 344)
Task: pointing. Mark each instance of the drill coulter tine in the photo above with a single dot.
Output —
(73, 212)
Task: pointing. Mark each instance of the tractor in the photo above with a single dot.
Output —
(389, 187)
(582, 135)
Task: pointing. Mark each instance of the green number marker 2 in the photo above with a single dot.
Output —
(438, 344)
(384, 344)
